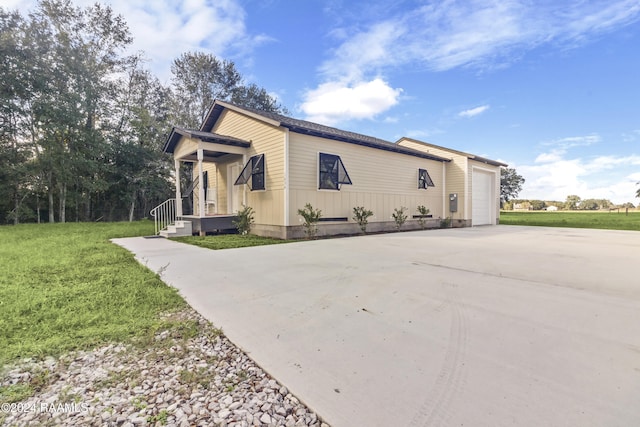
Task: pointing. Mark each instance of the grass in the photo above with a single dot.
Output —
(229, 241)
(66, 287)
(601, 220)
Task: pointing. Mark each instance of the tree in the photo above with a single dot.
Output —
(589, 205)
(510, 184)
(572, 202)
(82, 124)
(538, 205)
(75, 56)
(200, 78)
(140, 171)
(14, 93)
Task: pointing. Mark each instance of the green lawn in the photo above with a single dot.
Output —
(227, 241)
(603, 220)
(65, 287)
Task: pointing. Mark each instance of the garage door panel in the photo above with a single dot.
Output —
(482, 198)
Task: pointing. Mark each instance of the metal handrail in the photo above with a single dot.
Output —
(164, 214)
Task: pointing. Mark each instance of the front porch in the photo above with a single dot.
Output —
(210, 223)
(213, 199)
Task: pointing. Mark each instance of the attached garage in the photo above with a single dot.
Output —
(474, 179)
(483, 198)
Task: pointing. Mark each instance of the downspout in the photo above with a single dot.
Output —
(286, 177)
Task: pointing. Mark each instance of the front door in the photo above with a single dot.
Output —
(234, 192)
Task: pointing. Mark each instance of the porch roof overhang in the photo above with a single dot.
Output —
(212, 144)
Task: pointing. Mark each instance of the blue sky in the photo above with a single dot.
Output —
(550, 87)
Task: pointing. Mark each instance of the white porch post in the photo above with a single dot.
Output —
(201, 195)
(178, 192)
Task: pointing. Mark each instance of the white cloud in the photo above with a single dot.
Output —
(334, 101)
(575, 141)
(631, 136)
(445, 35)
(474, 111)
(164, 29)
(552, 156)
(441, 35)
(562, 145)
(554, 177)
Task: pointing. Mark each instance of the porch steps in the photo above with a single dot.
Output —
(177, 229)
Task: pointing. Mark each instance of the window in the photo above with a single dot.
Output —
(332, 172)
(424, 180)
(253, 171)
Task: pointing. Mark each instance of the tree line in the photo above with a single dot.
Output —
(82, 123)
(573, 203)
(511, 185)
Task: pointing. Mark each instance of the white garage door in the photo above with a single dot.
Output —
(483, 198)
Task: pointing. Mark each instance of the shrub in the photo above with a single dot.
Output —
(361, 216)
(244, 220)
(424, 212)
(445, 223)
(311, 217)
(399, 216)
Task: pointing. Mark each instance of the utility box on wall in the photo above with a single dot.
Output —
(453, 202)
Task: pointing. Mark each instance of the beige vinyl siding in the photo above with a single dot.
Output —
(213, 180)
(185, 147)
(382, 180)
(456, 171)
(265, 139)
(223, 182)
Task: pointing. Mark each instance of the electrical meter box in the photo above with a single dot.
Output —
(453, 202)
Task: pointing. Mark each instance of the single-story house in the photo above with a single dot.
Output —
(277, 164)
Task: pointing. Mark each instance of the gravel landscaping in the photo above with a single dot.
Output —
(188, 376)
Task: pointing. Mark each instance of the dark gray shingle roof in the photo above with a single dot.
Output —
(316, 129)
(176, 133)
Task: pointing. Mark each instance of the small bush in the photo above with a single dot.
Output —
(244, 220)
(361, 216)
(422, 211)
(399, 216)
(445, 223)
(311, 217)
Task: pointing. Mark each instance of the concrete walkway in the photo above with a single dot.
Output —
(486, 326)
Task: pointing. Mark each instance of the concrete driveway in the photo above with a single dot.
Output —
(486, 326)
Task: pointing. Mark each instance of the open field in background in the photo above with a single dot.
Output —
(574, 219)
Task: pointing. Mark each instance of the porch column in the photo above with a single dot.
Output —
(178, 192)
(201, 195)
